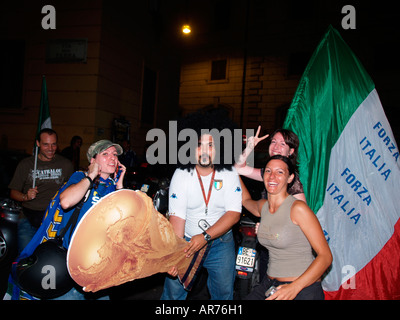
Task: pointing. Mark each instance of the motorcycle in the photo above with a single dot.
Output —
(9, 213)
(152, 180)
(248, 254)
(247, 258)
(160, 199)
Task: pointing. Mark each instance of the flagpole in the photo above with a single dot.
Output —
(42, 123)
(35, 165)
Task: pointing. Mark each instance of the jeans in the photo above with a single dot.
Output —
(312, 292)
(25, 233)
(220, 265)
(75, 294)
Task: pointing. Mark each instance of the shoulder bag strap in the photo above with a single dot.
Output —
(74, 217)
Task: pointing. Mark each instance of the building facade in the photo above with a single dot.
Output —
(116, 69)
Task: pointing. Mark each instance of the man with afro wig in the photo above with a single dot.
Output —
(205, 202)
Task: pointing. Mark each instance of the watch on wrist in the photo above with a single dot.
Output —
(90, 181)
(207, 237)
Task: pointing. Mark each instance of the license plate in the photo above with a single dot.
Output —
(246, 257)
(145, 188)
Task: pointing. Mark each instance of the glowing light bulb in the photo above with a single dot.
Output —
(186, 29)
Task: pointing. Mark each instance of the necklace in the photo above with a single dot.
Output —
(206, 200)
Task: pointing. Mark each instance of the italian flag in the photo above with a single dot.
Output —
(44, 120)
(349, 167)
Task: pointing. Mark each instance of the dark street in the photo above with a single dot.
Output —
(102, 97)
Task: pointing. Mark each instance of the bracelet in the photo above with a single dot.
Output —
(90, 181)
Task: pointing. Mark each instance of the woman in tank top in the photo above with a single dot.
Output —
(290, 231)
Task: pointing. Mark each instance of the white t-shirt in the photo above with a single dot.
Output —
(186, 199)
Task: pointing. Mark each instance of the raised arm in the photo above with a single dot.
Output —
(74, 193)
(241, 166)
(251, 205)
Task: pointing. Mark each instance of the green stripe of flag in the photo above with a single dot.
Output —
(332, 87)
(44, 120)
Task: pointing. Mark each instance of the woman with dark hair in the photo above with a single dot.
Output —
(290, 231)
(282, 142)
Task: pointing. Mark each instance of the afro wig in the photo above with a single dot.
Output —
(216, 123)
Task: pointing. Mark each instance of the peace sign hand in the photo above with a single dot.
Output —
(253, 141)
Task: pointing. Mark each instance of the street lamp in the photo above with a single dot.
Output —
(186, 29)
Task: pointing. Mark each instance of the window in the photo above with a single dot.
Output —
(218, 70)
(12, 60)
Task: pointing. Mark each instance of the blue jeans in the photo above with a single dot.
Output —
(25, 233)
(220, 265)
(74, 294)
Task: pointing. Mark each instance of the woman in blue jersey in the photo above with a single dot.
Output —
(105, 174)
(94, 184)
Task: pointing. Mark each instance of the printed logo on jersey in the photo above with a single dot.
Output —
(218, 184)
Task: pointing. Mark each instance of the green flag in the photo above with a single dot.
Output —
(326, 98)
(44, 120)
(350, 169)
